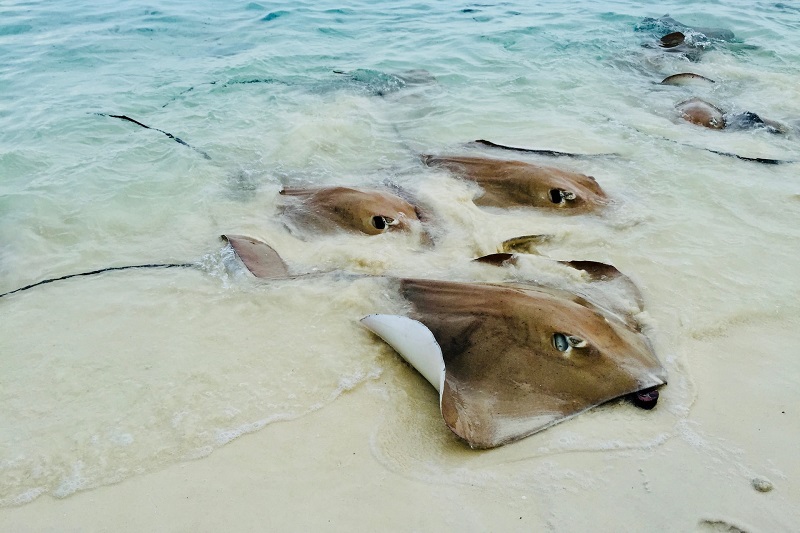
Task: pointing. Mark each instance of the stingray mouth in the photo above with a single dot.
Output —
(383, 223)
(646, 398)
(560, 196)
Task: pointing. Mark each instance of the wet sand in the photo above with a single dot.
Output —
(329, 470)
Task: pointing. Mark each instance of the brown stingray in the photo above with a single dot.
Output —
(685, 78)
(508, 361)
(702, 113)
(705, 114)
(369, 211)
(517, 183)
(259, 258)
(517, 361)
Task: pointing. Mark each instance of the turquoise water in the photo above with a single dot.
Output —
(114, 376)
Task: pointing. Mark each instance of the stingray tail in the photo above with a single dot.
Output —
(99, 271)
(168, 134)
(537, 151)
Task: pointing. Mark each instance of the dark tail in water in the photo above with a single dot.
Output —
(100, 271)
(168, 134)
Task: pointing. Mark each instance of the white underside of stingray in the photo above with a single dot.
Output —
(414, 342)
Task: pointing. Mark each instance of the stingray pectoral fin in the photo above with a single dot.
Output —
(498, 259)
(259, 257)
(686, 78)
(525, 244)
(414, 342)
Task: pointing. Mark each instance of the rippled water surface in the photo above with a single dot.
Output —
(105, 377)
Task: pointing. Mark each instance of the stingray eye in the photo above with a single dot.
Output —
(561, 342)
(564, 343)
(558, 196)
(383, 222)
(378, 222)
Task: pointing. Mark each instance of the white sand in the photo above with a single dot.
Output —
(328, 470)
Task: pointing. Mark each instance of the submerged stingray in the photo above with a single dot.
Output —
(689, 41)
(666, 25)
(706, 114)
(380, 83)
(509, 361)
(517, 183)
(328, 209)
(676, 42)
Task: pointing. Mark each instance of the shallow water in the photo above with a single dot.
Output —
(106, 377)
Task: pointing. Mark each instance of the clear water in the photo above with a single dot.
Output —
(104, 378)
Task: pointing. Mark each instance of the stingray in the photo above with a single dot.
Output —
(677, 37)
(666, 24)
(706, 114)
(519, 184)
(379, 83)
(330, 209)
(760, 160)
(509, 361)
(691, 41)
